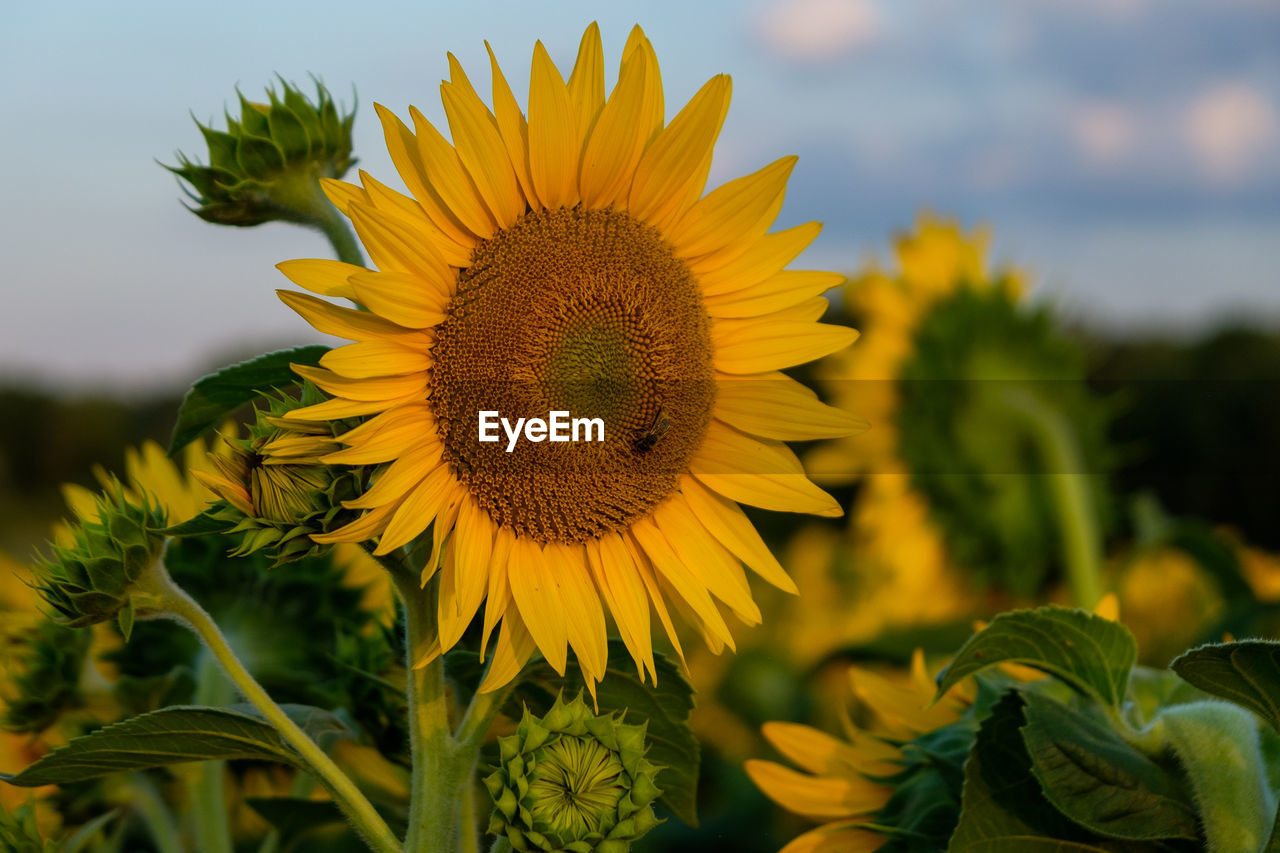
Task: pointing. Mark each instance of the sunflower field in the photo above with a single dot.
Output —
(603, 519)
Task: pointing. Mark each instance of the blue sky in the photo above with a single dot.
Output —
(1126, 151)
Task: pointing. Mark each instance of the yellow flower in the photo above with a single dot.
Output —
(569, 262)
(840, 786)
(936, 261)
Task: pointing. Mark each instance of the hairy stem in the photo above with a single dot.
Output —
(177, 603)
(435, 803)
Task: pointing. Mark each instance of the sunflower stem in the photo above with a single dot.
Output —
(1070, 490)
(213, 831)
(177, 603)
(438, 777)
(335, 228)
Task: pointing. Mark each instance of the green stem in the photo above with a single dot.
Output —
(213, 829)
(334, 226)
(147, 800)
(500, 845)
(1070, 488)
(357, 808)
(435, 806)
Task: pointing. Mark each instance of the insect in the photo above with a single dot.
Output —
(655, 431)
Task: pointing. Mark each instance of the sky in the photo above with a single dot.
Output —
(1126, 152)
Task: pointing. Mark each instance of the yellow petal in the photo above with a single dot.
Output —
(718, 570)
(673, 171)
(740, 211)
(337, 408)
(644, 568)
(514, 129)
(481, 149)
(342, 194)
(515, 645)
(403, 298)
(734, 269)
(417, 510)
(760, 473)
(499, 594)
(820, 753)
(582, 614)
(367, 359)
(777, 292)
(816, 796)
(393, 247)
(410, 212)
(539, 601)
(772, 346)
(364, 527)
(325, 277)
(686, 584)
(842, 837)
(619, 583)
(553, 149)
(403, 148)
(586, 82)
(396, 436)
(730, 525)
(402, 474)
(449, 178)
(390, 388)
(620, 134)
(776, 406)
(471, 548)
(446, 518)
(346, 323)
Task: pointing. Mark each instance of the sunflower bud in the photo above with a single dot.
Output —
(94, 578)
(42, 663)
(573, 781)
(275, 491)
(267, 166)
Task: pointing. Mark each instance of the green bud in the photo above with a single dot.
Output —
(275, 491)
(45, 661)
(572, 781)
(266, 166)
(93, 579)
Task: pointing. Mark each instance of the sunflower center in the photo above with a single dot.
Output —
(576, 785)
(587, 312)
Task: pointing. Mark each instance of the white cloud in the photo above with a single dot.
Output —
(1229, 126)
(1103, 131)
(818, 30)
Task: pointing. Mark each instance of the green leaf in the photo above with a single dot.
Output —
(672, 744)
(1092, 654)
(1002, 807)
(1098, 780)
(1245, 672)
(171, 736)
(215, 396)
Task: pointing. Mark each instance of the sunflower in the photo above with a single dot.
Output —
(569, 261)
(847, 781)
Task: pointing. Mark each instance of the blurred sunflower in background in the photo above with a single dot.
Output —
(570, 262)
(971, 394)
